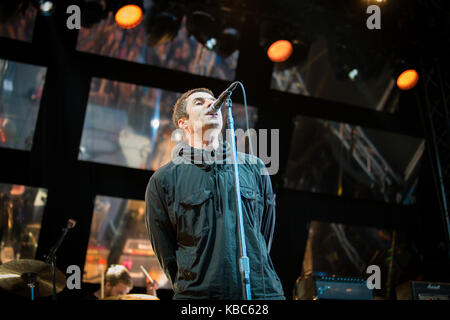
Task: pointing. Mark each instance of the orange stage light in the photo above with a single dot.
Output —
(129, 16)
(407, 79)
(280, 51)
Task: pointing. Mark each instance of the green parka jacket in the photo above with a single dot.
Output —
(191, 219)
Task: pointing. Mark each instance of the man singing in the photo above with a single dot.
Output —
(191, 211)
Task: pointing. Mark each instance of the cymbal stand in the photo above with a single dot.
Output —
(32, 280)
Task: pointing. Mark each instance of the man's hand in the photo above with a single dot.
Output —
(151, 287)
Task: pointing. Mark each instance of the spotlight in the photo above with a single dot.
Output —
(348, 54)
(228, 41)
(204, 27)
(155, 123)
(280, 50)
(353, 74)
(211, 44)
(283, 43)
(216, 35)
(404, 71)
(163, 25)
(407, 79)
(129, 14)
(45, 7)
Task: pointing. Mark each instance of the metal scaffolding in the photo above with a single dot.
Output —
(367, 156)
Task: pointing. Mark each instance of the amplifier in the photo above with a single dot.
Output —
(320, 286)
(422, 290)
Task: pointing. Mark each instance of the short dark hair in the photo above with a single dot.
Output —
(116, 274)
(179, 109)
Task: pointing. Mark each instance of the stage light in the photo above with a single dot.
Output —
(280, 50)
(228, 41)
(129, 14)
(45, 7)
(163, 25)
(216, 35)
(155, 123)
(283, 43)
(211, 43)
(204, 27)
(407, 79)
(351, 53)
(353, 74)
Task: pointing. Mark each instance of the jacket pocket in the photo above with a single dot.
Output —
(252, 204)
(192, 217)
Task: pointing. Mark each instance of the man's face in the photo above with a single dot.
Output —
(197, 107)
(118, 290)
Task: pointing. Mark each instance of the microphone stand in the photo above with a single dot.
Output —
(244, 263)
(51, 257)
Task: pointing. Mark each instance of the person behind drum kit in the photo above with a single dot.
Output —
(118, 282)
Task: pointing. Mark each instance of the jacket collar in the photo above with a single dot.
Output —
(184, 153)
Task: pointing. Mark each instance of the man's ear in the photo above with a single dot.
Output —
(182, 123)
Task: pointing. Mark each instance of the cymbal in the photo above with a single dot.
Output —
(132, 297)
(13, 276)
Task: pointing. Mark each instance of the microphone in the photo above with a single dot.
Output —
(222, 98)
(71, 223)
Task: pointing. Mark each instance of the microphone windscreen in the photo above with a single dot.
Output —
(71, 223)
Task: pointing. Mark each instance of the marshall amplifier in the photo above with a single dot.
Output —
(320, 286)
(421, 290)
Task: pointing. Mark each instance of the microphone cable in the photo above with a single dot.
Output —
(254, 185)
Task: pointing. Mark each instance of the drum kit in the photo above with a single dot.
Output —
(30, 278)
(33, 278)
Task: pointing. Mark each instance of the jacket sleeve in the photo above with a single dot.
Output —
(268, 218)
(161, 232)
